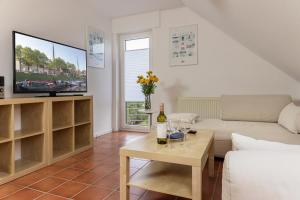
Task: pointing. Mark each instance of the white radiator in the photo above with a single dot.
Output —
(206, 107)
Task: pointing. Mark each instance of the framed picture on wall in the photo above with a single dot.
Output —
(184, 45)
(95, 48)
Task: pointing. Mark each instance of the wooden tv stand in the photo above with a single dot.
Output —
(36, 132)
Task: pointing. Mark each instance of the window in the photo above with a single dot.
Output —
(137, 44)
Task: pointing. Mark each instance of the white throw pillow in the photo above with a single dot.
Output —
(240, 142)
(287, 117)
(189, 118)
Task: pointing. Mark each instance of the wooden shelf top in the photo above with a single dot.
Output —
(4, 140)
(20, 134)
(62, 128)
(9, 101)
(25, 100)
(68, 98)
(166, 178)
(82, 123)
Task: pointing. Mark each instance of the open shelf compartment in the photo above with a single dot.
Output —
(82, 136)
(62, 142)
(164, 177)
(31, 120)
(62, 114)
(82, 111)
(29, 152)
(6, 159)
(6, 122)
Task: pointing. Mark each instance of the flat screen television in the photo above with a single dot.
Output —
(44, 66)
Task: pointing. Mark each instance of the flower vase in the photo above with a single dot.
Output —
(147, 102)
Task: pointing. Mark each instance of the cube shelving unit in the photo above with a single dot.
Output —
(82, 109)
(31, 152)
(62, 142)
(6, 167)
(6, 122)
(71, 126)
(62, 114)
(32, 119)
(23, 131)
(35, 132)
(82, 136)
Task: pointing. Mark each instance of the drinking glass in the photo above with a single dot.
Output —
(185, 127)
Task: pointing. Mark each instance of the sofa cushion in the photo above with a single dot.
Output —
(261, 175)
(258, 130)
(257, 108)
(241, 142)
(288, 117)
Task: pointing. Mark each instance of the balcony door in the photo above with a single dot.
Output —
(135, 60)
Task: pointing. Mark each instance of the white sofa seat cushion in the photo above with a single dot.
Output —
(288, 117)
(258, 130)
(240, 142)
(261, 175)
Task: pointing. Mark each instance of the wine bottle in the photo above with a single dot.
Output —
(162, 126)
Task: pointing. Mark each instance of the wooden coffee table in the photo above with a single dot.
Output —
(175, 168)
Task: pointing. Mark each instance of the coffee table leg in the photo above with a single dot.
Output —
(211, 160)
(197, 183)
(124, 177)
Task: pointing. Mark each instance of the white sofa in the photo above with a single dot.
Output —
(251, 115)
(261, 175)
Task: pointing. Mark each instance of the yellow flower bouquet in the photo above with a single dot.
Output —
(148, 84)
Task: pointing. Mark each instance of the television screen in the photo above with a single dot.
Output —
(45, 66)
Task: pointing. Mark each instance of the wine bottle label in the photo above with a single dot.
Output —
(161, 130)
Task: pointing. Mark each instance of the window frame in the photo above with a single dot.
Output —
(122, 45)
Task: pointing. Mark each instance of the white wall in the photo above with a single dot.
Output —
(224, 65)
(270, 28)
(65, 22)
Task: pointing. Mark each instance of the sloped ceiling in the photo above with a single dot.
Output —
(120, 8)
(270, 28)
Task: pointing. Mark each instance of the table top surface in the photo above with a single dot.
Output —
(188, 152)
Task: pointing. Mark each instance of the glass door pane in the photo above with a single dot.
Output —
(136, 62)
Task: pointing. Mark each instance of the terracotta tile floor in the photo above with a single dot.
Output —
(94, 174)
